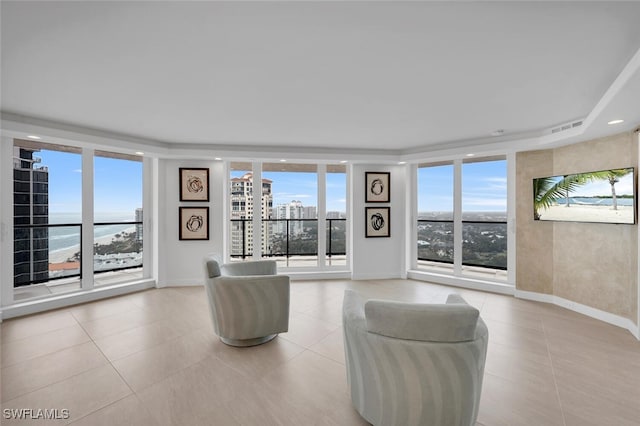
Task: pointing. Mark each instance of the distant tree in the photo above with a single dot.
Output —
(612, 176)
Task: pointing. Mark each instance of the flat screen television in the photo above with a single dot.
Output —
(604, 196)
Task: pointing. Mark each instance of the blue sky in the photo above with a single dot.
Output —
(623, 187)
(119, 193)
(484, 187)
(117, 185)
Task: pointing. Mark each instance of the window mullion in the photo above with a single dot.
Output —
(457, 217)
(257, 210)
(87, 237)
(321, 214)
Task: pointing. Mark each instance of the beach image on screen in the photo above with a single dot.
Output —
(606, 196)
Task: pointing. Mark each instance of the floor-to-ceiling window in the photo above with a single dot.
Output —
(336, 215)
(302, 220)
(240, 210)
(47, 200)
(291, 232)
(484, 215)
(118, 218)
(462, 217)
(53, 253)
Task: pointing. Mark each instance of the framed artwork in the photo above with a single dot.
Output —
(377, 187)
(193, 223)
(377, 222)
(194, 184)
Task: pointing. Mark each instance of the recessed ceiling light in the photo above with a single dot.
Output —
(402, 162)
(497, 132)
(343, 161)
(34, 137)
(283, 161)
(217, 158)
(139, 153)
(470, 155)
(615, 121)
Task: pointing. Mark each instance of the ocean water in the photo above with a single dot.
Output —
(589, 201)
(64, 237)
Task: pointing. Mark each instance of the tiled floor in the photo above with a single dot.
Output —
(151, 358)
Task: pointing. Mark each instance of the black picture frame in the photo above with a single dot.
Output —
(194, 184)
(377, 187)
(377, 222)
(193, 223)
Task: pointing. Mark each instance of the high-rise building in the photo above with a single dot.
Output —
(292, 210)
(31, 207)
(242, 207)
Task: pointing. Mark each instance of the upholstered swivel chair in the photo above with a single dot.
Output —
(248, 301)
(414, 364)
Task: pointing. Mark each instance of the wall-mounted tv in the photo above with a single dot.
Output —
(605, 196)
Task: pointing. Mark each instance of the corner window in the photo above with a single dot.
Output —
(462, 217)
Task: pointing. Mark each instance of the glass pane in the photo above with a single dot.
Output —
(290, 213)
(435, 241)
(336, 201)
(118, 218)
(241, 210)
(484, 244)
(484, 214)
(435, 192)
(484, 191)
(47, 193)
(435, 213)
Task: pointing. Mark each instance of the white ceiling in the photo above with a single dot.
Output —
(339, 75)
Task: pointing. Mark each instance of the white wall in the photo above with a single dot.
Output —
(180, 262)
(378, 258)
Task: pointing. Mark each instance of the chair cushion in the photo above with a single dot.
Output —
(451, 322)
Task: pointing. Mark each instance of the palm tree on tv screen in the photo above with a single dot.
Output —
(549, 190)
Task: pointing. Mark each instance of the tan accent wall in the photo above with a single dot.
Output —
(590, 263)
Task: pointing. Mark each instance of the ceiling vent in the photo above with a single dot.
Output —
(566, 126)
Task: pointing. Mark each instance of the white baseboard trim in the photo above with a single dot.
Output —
(598, 314)
(328, 275)
(357, 277)
(464, 282)
(186, 282)
(64, 300)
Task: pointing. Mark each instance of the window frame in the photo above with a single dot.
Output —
(457, 270)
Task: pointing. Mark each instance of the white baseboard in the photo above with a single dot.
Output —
(185, 282)
(328, 275)
(598, 314)
(464, 282)
(357, 277)
(64, 300)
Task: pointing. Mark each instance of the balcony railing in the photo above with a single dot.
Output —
(117, 246)
(288, 237)
(37, 260)
(47, 252)
(484, 243)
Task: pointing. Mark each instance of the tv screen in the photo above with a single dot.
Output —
(606, 196)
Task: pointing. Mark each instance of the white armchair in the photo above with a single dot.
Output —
(414, 364)
(248, 301)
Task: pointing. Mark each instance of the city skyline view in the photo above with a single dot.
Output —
(303, 187)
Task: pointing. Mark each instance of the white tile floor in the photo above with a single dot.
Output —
(151, 358)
